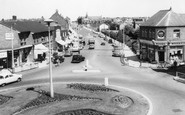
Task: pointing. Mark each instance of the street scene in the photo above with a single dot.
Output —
(86, 63)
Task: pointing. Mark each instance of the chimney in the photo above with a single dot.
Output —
(14, 17)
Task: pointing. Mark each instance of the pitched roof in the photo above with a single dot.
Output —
(26, 25)
(59, 19)
(165, 18)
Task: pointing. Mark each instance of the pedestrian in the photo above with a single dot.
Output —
(44, 56)
(175, 65)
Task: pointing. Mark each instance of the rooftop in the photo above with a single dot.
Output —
(26, 25)
(165, 18)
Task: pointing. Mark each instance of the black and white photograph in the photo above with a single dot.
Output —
(92, 57)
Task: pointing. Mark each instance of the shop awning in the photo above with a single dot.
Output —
(40, 48)
(61, 42)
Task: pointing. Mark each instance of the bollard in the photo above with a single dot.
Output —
(106, 81)
(87, 63)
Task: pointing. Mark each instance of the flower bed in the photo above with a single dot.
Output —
(45, 98)
(90, 87)
(83, 112)
(4, 99)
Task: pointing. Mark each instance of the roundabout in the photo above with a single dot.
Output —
(73, 99)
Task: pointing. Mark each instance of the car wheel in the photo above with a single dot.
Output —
(3, 84)
(19, 79)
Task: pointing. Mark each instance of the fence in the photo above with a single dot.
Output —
(180, 74)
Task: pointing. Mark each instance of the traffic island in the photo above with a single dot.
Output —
(72, 99)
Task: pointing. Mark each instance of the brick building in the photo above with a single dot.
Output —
(61, 31)
(27, 35)
(162, 37)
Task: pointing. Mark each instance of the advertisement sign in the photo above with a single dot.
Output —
(9, 36)
(3, 54)
(161, 34)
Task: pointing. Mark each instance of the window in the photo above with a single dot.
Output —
(150, 34)
(142, 33)
(176, 33)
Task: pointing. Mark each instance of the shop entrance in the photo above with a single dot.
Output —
(161, 56)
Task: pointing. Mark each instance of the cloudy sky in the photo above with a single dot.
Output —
(74, 8)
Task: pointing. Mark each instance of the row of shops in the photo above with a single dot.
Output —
(160, 52)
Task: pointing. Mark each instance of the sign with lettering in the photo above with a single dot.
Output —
(3, 54)
(9, 36)
(160, 34)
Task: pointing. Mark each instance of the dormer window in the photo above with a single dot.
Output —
(176, 33)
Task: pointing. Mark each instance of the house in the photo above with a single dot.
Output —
(61, 31)
(27, 34)
(103, 26)
(162, 37)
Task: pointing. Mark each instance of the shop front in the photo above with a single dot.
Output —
(176, 53)
(3, 59)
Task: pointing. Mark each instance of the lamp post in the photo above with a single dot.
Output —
(49, 21)
(12, 37)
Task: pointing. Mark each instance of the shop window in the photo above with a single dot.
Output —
(153, 34)
(176, 33)
(150, 34)
(145, 33)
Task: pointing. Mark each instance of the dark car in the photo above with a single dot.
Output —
(77, 58)
(103, 43)
(110, 41)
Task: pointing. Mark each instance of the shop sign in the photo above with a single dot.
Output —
(9, 36)
(160, 34)
(3, 54)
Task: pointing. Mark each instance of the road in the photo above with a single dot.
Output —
(167, 96)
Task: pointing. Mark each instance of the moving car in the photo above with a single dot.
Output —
(77, 58)
(7, 77)
(91, 43)
(102, 43)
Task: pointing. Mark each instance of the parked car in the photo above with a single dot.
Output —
(110, 41)
(7, 77)
(117, 51)
(77, 58)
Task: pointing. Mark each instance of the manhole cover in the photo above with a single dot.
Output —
(177, 110)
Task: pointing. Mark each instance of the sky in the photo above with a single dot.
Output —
(25, 9)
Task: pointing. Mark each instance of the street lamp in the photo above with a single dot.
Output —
(12, 36)
(49, 21)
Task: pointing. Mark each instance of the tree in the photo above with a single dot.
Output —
(79, 20)
(131, 31)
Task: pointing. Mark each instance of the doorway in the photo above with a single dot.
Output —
(161, 56)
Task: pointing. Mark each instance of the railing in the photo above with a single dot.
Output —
(164, 65)
(180, 74)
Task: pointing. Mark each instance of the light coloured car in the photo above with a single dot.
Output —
(75, 48)
(7, 77)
